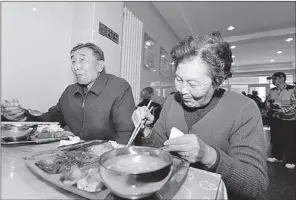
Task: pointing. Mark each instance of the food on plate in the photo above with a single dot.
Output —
(98, 150)
(49, 128)
(134, 163)
(91, 182)
(87, 180)
(60, 164)
(73, 176)
(63, 162)
(48, 168)
(46, 135)
(50, 131)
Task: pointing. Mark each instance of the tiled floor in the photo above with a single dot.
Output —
(282, 182)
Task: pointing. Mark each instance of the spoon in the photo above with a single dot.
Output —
(34, 112)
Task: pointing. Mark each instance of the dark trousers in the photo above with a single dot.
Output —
(276, 138)
(289, 133)
(283, 139)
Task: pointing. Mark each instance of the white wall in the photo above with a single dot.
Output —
(35, 52)
(156, 27)
(36, 46)
(110, 14)
(82, 24)
(87, 16)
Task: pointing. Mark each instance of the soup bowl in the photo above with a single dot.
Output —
(135, 172)
(16, 132)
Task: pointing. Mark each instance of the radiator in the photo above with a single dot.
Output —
(131, 52)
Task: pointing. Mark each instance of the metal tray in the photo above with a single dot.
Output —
(37, 141)
(28, 123)
(31, 141)
(177, 178)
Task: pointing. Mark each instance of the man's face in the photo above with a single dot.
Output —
(277, 80)
(85, 66)
(193, 82)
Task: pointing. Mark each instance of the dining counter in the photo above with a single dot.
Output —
(18, 182)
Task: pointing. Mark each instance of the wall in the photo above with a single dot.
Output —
(35, 52)
(82, 23)
(36, 45)
(110, 14)
(156, 27)
(87, 16)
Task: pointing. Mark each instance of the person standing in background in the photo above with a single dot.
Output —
(148, 94)
(255, 97)
(281, 105)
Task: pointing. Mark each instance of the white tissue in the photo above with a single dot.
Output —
(115, 144)
(72, 140)
(175, 133)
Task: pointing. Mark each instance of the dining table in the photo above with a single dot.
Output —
(18, 182)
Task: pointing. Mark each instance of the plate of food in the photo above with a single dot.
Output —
(13, 133)
(74, 169)
(77, 170)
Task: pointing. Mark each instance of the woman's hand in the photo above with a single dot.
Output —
(192, 148)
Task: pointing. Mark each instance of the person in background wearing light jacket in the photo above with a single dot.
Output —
(281, 105)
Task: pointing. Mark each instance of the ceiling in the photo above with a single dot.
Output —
(261, 28)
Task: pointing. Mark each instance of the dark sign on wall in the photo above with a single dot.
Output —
(108, 33)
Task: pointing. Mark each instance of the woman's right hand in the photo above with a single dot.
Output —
(141, 113)
(12, 110)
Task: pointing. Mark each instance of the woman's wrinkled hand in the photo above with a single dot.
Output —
(189, 147)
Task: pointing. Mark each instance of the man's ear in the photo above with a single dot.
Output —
(100, 66)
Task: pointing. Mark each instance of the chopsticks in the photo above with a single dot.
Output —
(139, 126)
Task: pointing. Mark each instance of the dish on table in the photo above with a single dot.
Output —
(81, 177)
(74, 166)
(32, 132)
(135, 172)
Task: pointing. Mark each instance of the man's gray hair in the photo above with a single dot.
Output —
(97, 51)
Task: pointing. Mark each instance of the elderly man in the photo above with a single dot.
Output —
(281, 104)
(98, 106)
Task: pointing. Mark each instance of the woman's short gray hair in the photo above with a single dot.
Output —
(211, 49)
(147, 93)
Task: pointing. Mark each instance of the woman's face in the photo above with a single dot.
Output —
(193, 83)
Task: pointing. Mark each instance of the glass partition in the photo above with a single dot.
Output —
(149, 52)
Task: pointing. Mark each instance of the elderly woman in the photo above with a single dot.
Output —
(223, 131)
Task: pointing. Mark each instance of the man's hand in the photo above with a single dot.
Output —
(192, 148)
(12, 110)
(142, 113)
(279, 111)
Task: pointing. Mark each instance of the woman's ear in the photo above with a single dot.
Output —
(100, 66)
